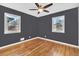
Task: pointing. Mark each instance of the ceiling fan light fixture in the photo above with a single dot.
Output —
(40, 10)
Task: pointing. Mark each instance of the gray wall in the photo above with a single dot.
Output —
(40, 27)
(78, 26)
(28, 27)
(71, 27)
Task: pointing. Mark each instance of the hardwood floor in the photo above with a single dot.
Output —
(39, 47)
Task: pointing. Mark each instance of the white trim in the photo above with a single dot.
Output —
(16, 43)
(42, 39)
(59, 42)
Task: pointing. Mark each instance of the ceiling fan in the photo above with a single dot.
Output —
(41, 8)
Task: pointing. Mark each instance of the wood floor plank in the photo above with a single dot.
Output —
(44, 48)
(39, 47)
(20, 49)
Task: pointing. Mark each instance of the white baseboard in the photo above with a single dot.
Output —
(42, 39)
(16, 43)
(59, 42)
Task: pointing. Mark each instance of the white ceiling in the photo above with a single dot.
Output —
(24, 7)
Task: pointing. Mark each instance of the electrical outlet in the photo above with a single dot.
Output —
(45, 36)
(22, 39)
(29, 37)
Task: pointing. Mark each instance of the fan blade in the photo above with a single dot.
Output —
(48, 5)
(46, 11)
(37, 4)
(32, 9)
